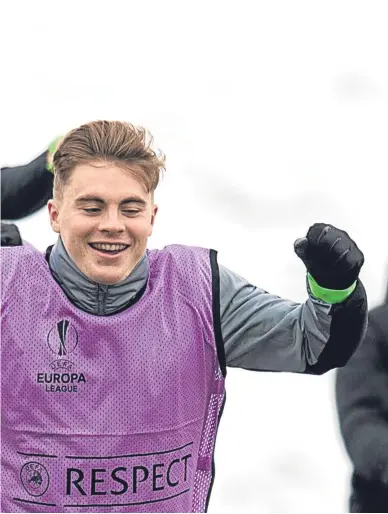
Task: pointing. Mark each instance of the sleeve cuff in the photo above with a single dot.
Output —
(330, 296)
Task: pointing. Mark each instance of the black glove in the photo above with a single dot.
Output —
(10, 235)
(331, 257)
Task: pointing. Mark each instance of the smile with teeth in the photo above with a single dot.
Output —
(109, 247)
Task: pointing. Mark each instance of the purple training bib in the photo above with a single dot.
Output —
(110, 413)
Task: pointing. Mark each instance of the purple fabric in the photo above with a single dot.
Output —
(118, 411)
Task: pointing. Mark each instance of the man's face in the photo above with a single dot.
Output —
(104, 217)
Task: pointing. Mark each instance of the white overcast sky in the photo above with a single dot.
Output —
(273, 116)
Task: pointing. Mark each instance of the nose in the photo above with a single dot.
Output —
(111, 222)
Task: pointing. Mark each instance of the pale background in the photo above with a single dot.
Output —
(273, 116)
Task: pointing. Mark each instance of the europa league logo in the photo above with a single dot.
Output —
(62, 338)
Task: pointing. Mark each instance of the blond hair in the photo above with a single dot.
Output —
(117, 142)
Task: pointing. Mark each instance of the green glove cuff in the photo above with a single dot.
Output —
(329, 295)
(51, 149)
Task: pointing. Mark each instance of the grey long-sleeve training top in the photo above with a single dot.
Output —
(260, 331)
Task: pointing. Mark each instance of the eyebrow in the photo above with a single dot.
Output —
(96, 199)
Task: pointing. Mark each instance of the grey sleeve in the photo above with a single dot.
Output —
(262, 331)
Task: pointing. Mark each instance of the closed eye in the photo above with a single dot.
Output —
(130, 212)
(126, 212)
(93, 210)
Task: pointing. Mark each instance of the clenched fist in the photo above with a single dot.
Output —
(331, 257)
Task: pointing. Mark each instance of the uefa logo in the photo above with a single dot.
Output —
(35, 478)
(62, 338)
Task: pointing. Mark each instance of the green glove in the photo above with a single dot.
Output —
(51, 150)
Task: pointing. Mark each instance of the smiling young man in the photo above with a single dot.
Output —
(103, 229)
(114, 356)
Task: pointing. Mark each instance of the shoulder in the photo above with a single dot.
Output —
(180, 255)
(378, 322)
(16, 261)
(16, 254)
(183, 268)
(379, 311)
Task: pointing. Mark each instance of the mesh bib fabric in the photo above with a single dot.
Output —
(115, 413)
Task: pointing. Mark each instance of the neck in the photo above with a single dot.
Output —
(99, 299)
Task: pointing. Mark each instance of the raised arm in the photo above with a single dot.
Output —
(264, 332)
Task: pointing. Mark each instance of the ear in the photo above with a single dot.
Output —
(153, 215)
(53, 209)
